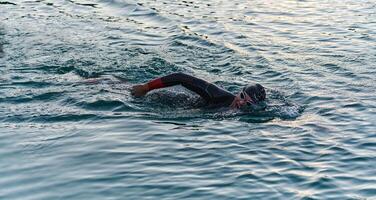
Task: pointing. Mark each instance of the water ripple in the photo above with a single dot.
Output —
(69, 128)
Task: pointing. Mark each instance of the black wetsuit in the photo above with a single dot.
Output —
(212, 94)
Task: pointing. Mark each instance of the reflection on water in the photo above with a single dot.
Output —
(66, 135)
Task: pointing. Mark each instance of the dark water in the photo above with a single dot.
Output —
(62, 138)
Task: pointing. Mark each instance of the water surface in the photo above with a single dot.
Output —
(63, 138)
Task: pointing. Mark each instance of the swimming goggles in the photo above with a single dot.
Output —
(244, 96)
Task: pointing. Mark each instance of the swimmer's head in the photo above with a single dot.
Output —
(256, 92)
(249, 96)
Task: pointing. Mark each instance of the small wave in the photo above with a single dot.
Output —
(286, 111)
(29, 97)
(178, 104)
(49, 118)
(105, 105)
(7, 2)
(93, 5)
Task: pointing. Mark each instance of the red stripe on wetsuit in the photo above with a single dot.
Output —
(155, 84)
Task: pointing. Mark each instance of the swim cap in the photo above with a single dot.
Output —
(256, 92)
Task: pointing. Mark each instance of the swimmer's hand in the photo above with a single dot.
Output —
(139, 90)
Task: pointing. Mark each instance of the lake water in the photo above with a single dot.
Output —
(63, 138)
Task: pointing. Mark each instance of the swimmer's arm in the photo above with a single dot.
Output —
(192, 83)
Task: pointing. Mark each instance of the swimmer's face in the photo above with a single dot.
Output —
(251, 95)
(244, 99)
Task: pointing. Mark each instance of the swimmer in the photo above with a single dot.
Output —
(212, 94)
